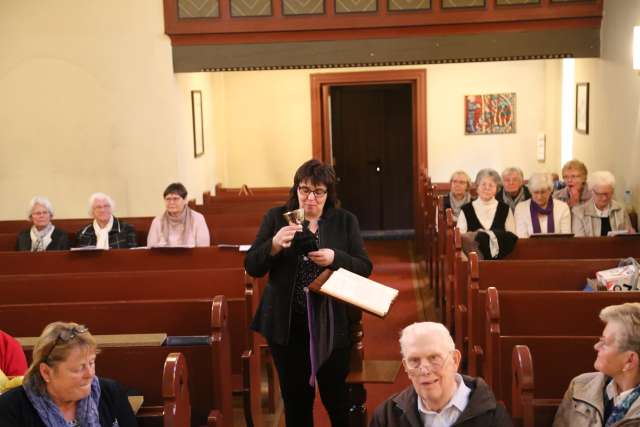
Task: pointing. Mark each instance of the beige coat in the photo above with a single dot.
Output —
(586, 222)
(582, 405)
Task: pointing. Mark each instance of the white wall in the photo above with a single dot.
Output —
(89, 102)
(268, 119)
(613, 142)
(450, 149)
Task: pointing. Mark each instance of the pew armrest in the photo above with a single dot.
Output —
(246, 387)
(175, 391)
(522, 385)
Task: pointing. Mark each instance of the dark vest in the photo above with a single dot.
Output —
(499, 219)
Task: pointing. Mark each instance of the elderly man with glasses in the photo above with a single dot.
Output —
(438, 395)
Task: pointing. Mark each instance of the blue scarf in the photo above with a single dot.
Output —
(537, 210)
(86, 411)
(618, 412)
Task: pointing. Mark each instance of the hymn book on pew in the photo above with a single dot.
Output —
(356, 290)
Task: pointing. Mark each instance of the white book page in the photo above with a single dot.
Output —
(360, 291)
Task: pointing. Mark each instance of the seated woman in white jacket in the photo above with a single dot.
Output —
(542, 214)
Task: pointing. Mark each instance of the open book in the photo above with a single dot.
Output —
(356, 290)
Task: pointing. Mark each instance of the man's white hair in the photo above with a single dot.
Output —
(100, 196)
(430, 330)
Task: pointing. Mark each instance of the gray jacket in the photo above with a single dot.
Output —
(586, 222)
(582, 405)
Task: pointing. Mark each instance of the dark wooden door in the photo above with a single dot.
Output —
(371, 140)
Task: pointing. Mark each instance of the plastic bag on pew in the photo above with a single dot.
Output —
(622, 278)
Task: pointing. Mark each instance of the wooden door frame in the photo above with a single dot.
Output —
(320, 137)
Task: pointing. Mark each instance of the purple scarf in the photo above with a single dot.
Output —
(537, 210)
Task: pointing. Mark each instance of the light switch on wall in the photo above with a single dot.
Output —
(541, 143)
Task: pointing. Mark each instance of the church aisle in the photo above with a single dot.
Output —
(395, 265)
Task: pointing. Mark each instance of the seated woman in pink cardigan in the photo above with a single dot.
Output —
(179, 225)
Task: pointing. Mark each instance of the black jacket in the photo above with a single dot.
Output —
(122, 235)
(17, 411)
(59, 240)
(401, 409)
(339, 230)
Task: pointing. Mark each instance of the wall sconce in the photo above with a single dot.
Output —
(636, 47)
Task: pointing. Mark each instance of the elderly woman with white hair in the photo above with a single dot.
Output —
(542, 214)
(459, 194)
(601, 214)
(43, 235)
(486, 212)
(438, 394)
(106, 231)
(608, 397)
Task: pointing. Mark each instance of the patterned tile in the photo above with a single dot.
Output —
(453, 4)
(512, 2)
(198, 9)
(303, 7)
(250, 7)
(409, 4)
(354, 6)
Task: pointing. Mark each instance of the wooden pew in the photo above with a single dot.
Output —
(210, 373)
(217, 223)
(245, 190)
(558, 274)
(576, 247)
(235, 235)
(241, 291)
(512, 315)
(118, 260)
(540, 377)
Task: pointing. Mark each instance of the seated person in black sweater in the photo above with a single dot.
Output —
(61, 388)
(43, 235)
(106, 231)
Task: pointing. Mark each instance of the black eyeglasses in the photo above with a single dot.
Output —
(66, 335)
(318, 192)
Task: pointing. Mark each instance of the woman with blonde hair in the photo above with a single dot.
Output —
(61, 389)
(459, 194)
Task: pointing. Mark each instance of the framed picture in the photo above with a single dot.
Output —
(198, 127)
(490, 114)
(582, 108)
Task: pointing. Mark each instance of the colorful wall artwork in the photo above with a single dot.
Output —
(490, 114)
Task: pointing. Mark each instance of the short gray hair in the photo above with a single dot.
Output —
(540, 181)
(628, 317)
(416, 330)
(513, 169)
(42, 201)
(600, 178)
(491, 173)
(100, 196)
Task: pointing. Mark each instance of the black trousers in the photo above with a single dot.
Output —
(294, 368)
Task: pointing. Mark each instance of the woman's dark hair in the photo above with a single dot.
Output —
(317, 173)
(175, 188)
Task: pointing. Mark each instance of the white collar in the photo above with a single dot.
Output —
(612, 393)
